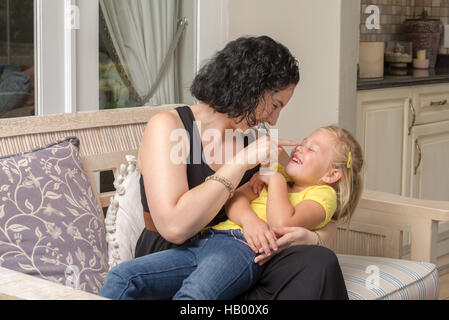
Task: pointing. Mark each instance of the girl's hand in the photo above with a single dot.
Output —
(289, 236)
(260, 236)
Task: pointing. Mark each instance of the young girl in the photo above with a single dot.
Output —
(322, 181)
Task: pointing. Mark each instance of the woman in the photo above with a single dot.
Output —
(246, 83)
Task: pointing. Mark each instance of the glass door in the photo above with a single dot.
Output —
(147, 52)
(17, 58)
(147, 55)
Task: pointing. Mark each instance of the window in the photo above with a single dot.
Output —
(146, 52)
(16, 58)
(146, 55)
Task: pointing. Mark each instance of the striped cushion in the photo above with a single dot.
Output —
(369, 278)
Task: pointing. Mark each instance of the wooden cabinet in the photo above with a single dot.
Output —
(404, 133)
(431, 103)
(382, 124)
(429, 174)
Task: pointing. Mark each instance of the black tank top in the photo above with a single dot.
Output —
(197, 169)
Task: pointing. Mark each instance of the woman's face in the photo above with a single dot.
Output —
(270, 106)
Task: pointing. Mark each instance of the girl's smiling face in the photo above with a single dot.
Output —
(311, 161)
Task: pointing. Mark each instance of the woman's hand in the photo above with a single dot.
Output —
(259, 235)
(258, 181)
(261, 151)
(288, 237)
(256, 184)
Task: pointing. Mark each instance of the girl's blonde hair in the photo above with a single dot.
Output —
(348, 157)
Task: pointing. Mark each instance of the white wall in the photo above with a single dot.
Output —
(349, 56)
(187, 51)
(316, 34)
(213, 27)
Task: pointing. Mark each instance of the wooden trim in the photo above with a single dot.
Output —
(106, 162)
(70, 63)
(78, 121)
(105, 199)
(16, 285)
(419, 217)
(38, 63)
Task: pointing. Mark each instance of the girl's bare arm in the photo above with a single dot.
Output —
(281, 213)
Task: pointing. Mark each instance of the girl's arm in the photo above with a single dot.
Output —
(281, 213)
(257, 232)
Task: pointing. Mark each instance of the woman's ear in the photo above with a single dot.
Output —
(332, 176)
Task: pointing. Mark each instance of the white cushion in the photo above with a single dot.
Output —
(124, 219)
(369, 278)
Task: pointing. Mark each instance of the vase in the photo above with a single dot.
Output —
(425, 35)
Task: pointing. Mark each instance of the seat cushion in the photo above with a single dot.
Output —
(370, 278)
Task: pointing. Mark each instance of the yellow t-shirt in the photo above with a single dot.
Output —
(322, 194)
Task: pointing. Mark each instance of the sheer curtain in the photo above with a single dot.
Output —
(144, 34)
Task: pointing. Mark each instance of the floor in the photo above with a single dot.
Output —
(444, 286)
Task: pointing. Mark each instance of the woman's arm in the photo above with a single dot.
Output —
(177, 212)
(293, 236)
(238, 208)
(284, 158)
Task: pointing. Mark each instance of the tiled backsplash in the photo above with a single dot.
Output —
(394, 12)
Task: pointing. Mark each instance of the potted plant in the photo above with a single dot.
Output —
(424, 33)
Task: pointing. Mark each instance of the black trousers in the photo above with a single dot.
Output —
(302, 272)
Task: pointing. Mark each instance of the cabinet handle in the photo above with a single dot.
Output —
(412, 109)
(438, 103)
(419, 156)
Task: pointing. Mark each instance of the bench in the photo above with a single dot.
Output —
(369, 250)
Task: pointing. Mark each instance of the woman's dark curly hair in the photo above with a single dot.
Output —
(238, 76)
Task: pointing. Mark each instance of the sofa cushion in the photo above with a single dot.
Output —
(369, 278)
(124, 218)
(50, 221)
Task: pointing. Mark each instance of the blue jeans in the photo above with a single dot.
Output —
(214, 265)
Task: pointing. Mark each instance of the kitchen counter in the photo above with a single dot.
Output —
(405, 77)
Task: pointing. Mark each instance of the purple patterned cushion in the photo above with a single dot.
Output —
(50, 223)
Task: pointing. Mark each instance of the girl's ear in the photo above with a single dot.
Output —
(332, 176)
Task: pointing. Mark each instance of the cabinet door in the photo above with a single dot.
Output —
(382, 131)
(429, 174)
(431, 103)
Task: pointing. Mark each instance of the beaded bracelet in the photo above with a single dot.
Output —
(319, 241)
(224, 181)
